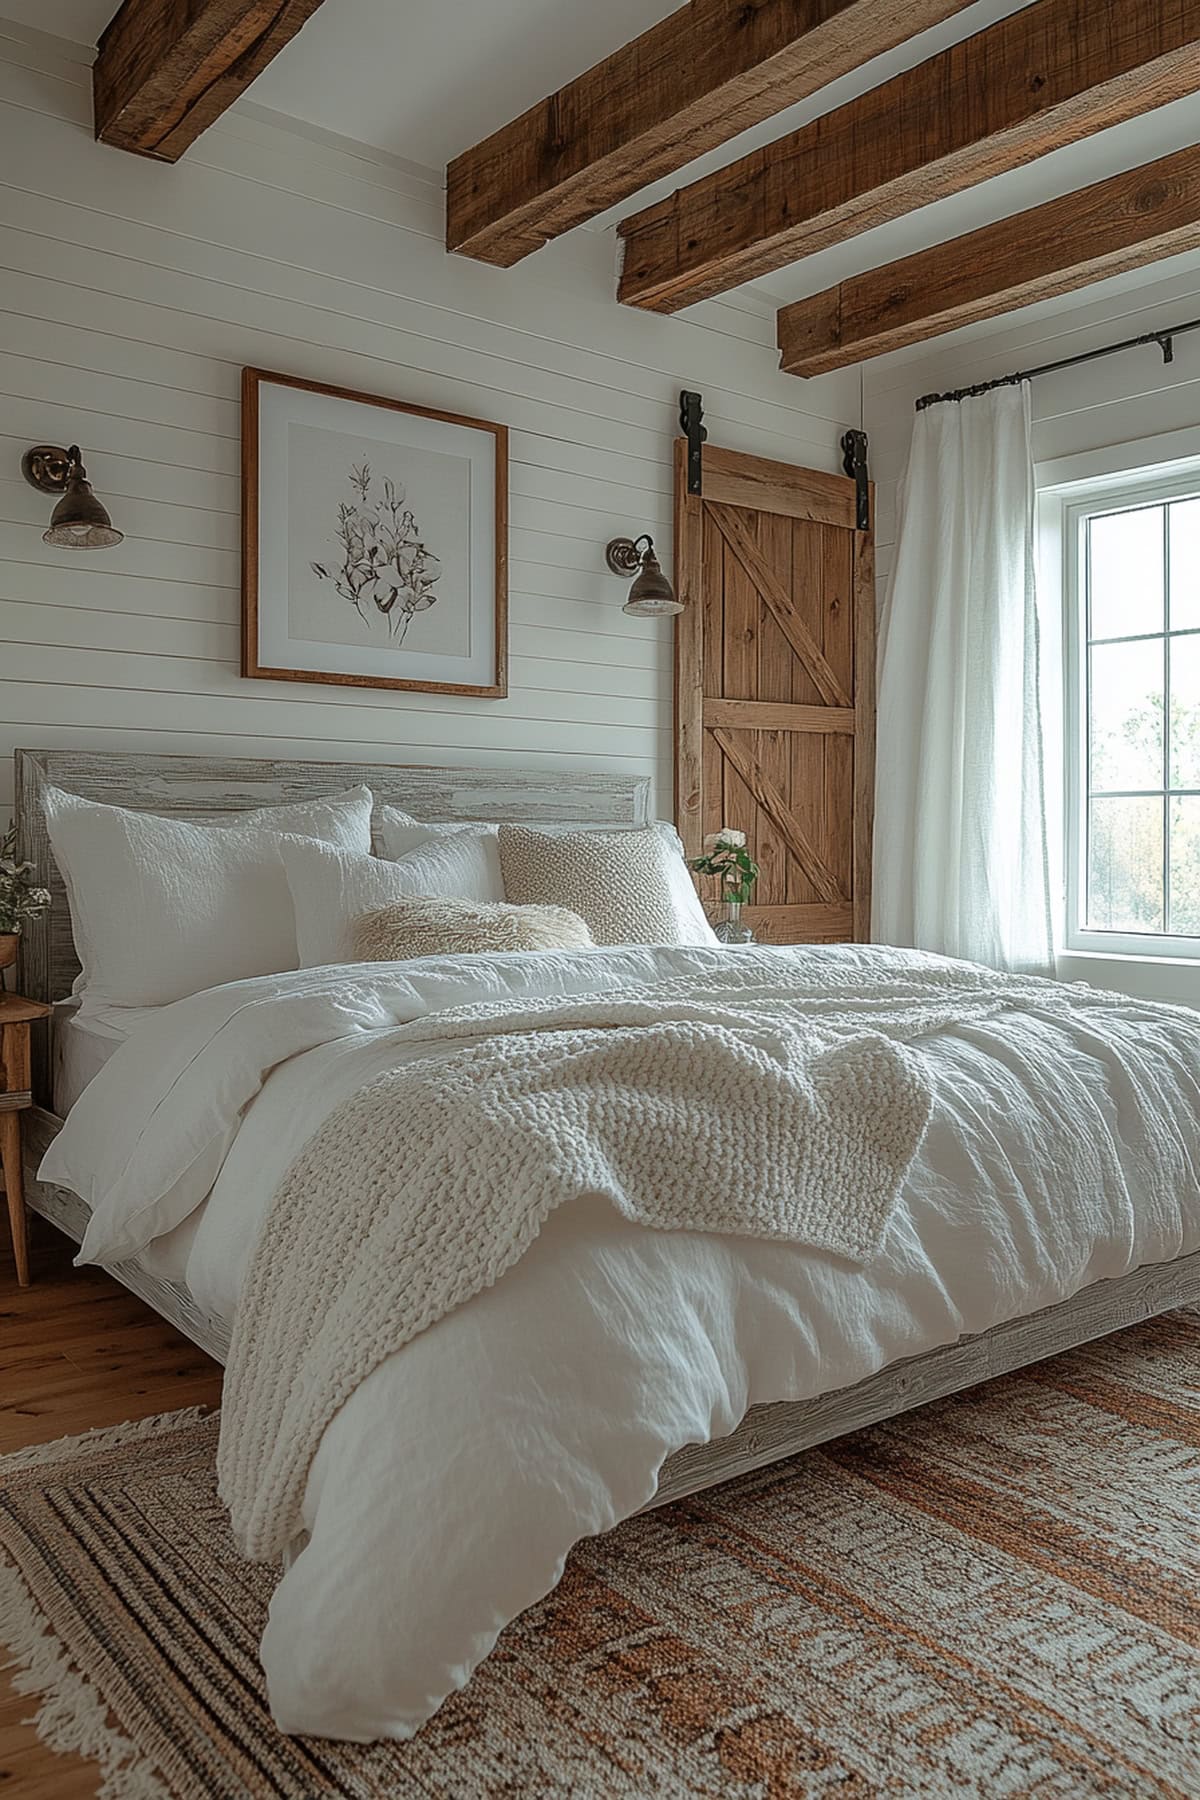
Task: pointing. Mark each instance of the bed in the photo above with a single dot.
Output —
(182, 786)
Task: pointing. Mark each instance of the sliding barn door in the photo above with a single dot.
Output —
(775, 687)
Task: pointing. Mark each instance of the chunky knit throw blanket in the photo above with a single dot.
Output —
(765, 1097)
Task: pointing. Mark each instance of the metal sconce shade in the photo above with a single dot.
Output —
(79, 521)
(651, 594)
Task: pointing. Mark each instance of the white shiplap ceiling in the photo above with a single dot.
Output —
(424, 80)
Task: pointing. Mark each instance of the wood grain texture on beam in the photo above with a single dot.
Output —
(1046, 76)
(691, 82)
(165, 69)
(1116, 225)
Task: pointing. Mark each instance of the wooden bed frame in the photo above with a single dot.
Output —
(216, 787)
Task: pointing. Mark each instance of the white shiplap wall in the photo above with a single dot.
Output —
(131, 294)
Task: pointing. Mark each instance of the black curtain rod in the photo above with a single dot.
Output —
(1164, 340)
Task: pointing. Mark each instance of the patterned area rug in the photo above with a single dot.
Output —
(996, 1596)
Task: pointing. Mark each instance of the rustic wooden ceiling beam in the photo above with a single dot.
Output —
(1046, 76)
(165, 69)
(1116, 225)
(688, 84)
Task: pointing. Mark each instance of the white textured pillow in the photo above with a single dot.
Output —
(330, 889)
(399, 833)
(620, 884)
(691, 920)
(161, 908)
(408, 928)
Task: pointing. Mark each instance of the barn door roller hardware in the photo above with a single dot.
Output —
(854, 461)
(691, 414)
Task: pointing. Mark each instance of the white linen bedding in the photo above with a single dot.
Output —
(82, 1045)
(447, 1492)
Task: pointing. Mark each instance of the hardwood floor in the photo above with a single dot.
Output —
(77, 1350)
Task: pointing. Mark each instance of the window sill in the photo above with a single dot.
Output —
(1172, 978)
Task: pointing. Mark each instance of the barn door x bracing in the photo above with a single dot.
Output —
(774, 687)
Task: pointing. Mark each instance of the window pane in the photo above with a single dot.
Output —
(1126, 573)
(1126, 725)
(1125, 865)
(1185, 565)
(1185, 866)
(1185, 712)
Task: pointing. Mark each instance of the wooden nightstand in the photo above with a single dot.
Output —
(16, 1016)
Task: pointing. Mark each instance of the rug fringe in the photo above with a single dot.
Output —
(72, 1718)
(103, 1437)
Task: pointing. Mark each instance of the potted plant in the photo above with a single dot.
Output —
(19, 898)
(726, 857)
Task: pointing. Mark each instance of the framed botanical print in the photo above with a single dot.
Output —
(374, 541)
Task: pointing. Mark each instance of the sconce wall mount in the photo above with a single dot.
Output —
(79, 521)
(651, 594)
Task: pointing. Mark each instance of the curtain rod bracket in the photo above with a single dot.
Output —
(854, 461)
(691, 414)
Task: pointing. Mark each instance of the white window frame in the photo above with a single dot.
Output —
(1149, 487)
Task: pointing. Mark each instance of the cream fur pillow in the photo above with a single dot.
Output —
(429, 927)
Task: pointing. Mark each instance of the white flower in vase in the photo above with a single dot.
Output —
(728, 859)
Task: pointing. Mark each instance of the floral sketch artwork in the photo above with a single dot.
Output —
(384, 566)
(375, 541)
(380, 550)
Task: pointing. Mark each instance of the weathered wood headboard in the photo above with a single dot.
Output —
(216, 787)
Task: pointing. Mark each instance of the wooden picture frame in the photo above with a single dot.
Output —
(359, 621)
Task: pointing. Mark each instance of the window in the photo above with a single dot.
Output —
(1133, 720)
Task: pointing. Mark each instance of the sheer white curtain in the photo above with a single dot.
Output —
(961, 855)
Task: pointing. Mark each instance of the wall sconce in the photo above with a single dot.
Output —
(651, 594)
(78, 522)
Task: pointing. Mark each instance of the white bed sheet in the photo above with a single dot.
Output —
(82, 1046)
(448, 1491)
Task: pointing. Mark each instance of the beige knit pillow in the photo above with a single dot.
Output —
(434, 927)
(619, 883)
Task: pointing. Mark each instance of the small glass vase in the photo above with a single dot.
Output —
(730, 929)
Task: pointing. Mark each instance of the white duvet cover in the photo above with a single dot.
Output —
(447, 1492)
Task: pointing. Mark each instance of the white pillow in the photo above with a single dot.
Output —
(161, 908)
(399, 833)
(332, 889)
(691, 920)
(625, 886)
